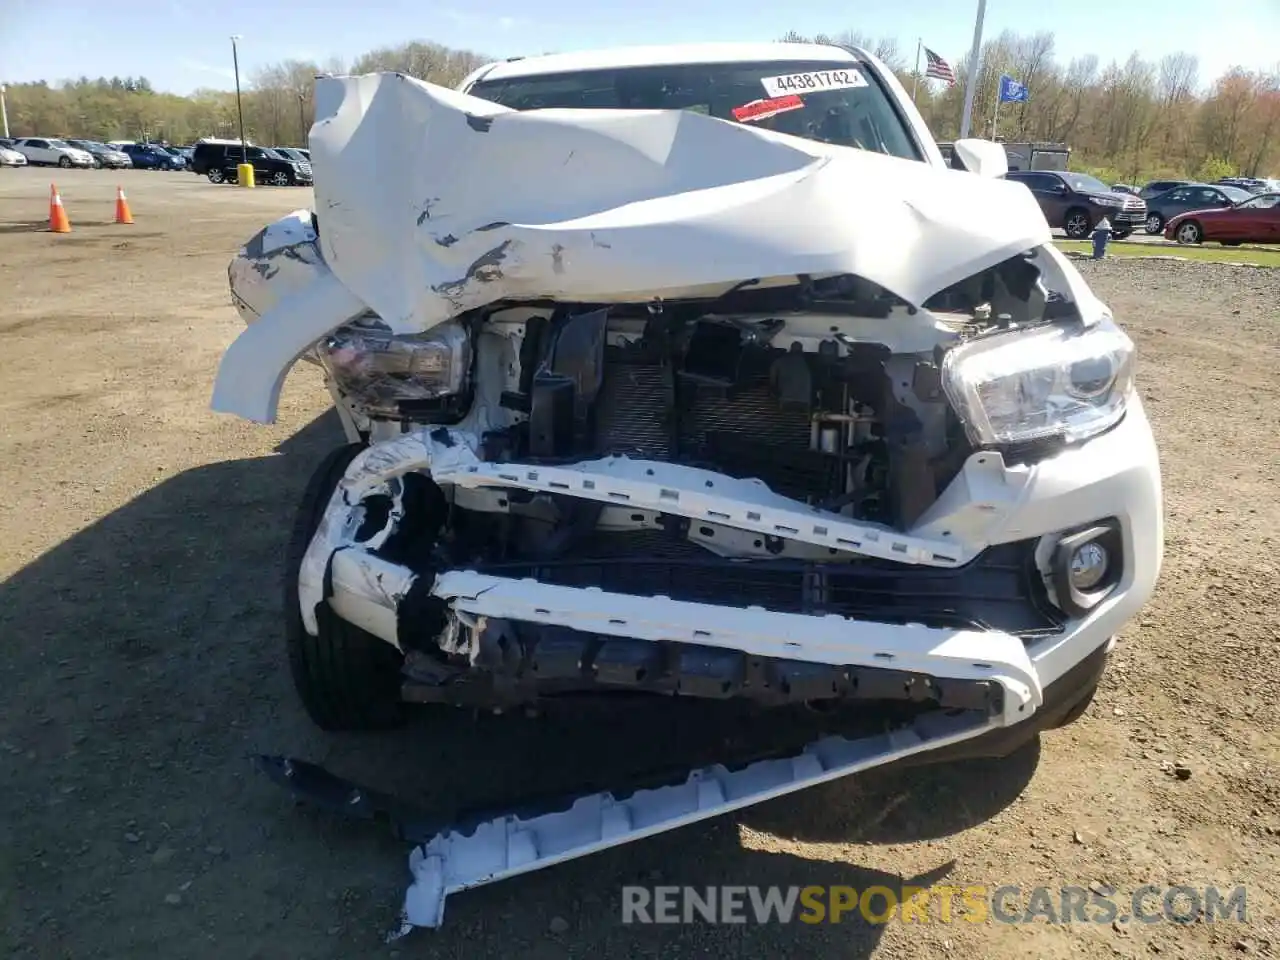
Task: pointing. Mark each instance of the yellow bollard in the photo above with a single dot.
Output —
(244, 175)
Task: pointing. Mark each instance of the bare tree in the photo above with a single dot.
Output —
(1176, 86)
(1032, 57)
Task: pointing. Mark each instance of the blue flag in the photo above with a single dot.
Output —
(1011, 91)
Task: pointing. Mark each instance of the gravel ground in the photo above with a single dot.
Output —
(143, 660)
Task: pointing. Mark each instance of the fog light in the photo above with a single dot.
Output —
(1088, 566)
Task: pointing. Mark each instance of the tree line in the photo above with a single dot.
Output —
(1126, 121)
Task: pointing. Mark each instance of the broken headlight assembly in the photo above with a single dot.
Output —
(1059, 384)
(400, 376)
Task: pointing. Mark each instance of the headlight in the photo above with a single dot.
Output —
(1057, 383)
(392, 376)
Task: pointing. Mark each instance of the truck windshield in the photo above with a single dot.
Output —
(838, 102)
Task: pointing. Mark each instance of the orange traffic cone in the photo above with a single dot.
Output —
(122, 207)
(58, 222)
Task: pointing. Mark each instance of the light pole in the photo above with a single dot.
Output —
(4, 111)
(302, 120)
(975, 56)
(235, 61)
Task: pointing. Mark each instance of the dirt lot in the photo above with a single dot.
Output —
(143, 661)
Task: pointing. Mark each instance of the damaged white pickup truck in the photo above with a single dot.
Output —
(690, 371)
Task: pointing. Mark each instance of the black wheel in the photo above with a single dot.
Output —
(1076, 223)
(281, 179)
(64, 162)
(1189, 231)
(1155, 223)
(216, 175)
(347, 679)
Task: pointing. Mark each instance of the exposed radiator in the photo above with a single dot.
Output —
(742, 434)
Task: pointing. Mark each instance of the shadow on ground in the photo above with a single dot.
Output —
(144, 665)
(25, 226)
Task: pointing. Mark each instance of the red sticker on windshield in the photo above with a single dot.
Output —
(760, 109)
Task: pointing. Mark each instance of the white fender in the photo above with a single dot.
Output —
(255, 365)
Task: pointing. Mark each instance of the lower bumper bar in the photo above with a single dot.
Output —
(519, 663)
(380, 597)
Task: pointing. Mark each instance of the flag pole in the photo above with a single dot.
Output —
(974, 56)
(995, 114)
(915, 77)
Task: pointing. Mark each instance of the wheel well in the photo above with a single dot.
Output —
(1072, 211)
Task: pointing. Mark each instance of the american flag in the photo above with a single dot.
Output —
(938, 68)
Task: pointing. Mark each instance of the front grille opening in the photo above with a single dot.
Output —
(1000, 590)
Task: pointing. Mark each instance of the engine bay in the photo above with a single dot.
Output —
(828, 391)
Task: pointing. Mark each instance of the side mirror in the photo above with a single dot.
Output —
(986, 158)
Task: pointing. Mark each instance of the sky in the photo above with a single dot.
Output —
(181, 45)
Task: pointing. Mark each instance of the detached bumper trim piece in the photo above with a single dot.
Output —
(480, 848)
(507, 846)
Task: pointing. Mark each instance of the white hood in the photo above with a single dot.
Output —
(432, 202)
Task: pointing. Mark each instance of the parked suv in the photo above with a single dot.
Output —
(1076, 202)
(218, 162)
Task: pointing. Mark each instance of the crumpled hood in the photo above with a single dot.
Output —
(432, 202)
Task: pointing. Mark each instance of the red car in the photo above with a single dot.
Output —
(1256, 220)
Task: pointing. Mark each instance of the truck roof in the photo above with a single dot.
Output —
(663, 55)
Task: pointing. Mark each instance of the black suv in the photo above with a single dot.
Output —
(218, 162)
(1076, 202)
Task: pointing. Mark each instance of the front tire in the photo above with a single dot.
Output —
(1155, 223)
(64, 163)
(346, 678)
(216, 175)
(281, 179)
(1076, 223)
(1189, 232)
